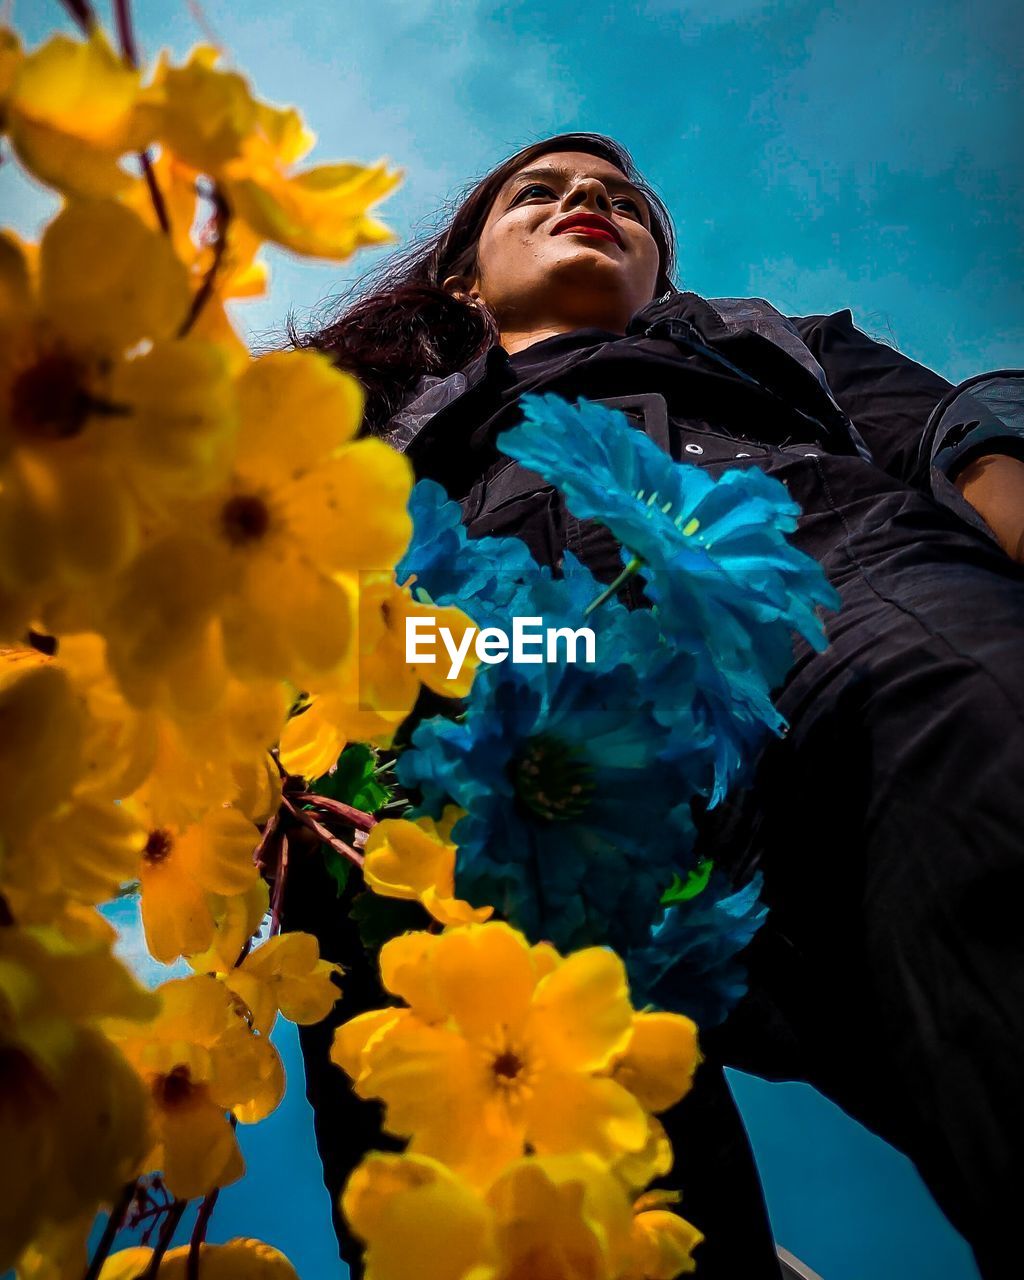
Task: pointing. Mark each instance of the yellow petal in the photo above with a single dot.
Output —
(660, 1060)
(312, 741)
(200, 1150)
(663, 1245)
(569, 1112)
(322, 212)
(181, 419)
(204, 113)
(407, 1207)
(42, 741)
(135, 288)
(484, 977)
(236, 1260)
(637, 1168)
(327, 508)
(218, 852)
(581, 1015)
(404, 859)
(70, 114)
(406, 970)
(296, 410)
(353, 1038)
(176, 912)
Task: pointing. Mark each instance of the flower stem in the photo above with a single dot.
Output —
(221, 218)
(130, 53)
(82, 12)
(115, 1221)
(170, 1225)
(195, 1245)
(613, 587)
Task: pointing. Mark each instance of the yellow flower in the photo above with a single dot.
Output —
(375, 688)
(42, 743)
(543, 1218)
(662, 1243)
(416, 861)
(251, 581)
(321, 212)
(209, 118)
(660, 1059)
(71, 114)
(503, 1045)
(180, 868)
(411, 1207)
(236, 920)
(237, 1260)
(285, 974)
(199, 1060)
(72, 1113)
(105, 417)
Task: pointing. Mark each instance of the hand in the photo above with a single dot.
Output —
(994, 486)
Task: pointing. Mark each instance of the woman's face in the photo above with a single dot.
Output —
(566, 243)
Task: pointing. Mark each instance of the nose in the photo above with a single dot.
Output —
(588, 193)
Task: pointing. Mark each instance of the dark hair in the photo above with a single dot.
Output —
(403, 324)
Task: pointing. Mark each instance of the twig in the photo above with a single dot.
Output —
(221, 218)
(325, 834)
(126, 31)
(82, 12)
(174, 1216)
(130, 53)
(357, 817)
(195, 1245)
(279, 879)
(115, 1221)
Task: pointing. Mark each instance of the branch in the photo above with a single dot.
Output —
(195, 1245)
(325, 834)
(170, 1225)
(115, 1221)
(357, 817)
(83, 14)
(221, 218)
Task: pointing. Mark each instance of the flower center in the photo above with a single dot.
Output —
(159, 844)
(49, 399)
(553, 778)
(244, 518)
(174, 1088)
(507, 1067)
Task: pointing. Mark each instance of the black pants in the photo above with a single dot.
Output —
(889, 824)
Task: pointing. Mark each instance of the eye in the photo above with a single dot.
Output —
(631, 205)
(533, 186)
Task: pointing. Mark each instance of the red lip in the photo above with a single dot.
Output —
(590, 224)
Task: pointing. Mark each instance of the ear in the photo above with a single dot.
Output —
(460, 287)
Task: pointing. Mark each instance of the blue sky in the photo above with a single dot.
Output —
(860, 154)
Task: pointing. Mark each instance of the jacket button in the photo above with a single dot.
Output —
(694, 448)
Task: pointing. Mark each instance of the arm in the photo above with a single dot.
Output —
(886, 395)
(994, 486)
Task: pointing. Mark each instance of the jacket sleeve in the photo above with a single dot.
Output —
(888, 397)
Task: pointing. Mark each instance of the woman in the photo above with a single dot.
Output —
(888, 821)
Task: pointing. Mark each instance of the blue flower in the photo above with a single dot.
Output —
(572, 826)
(728, 587)
(484, 576)
(692, 962)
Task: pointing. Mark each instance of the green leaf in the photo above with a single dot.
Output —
(355, 780)
(338, 867)
(695, 883)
